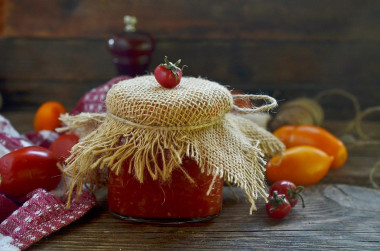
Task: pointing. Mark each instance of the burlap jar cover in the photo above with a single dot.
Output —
(145, 122)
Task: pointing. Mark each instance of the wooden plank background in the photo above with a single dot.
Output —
(56, 50)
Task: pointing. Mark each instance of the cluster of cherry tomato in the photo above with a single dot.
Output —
(311, 152)
(32, 167)
(283, 196)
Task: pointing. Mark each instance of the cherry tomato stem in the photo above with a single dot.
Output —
(295, 194)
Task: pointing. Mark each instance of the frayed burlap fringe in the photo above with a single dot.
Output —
(233, 148)
(153, 129)
(81, 124)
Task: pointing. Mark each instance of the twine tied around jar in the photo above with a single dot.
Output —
(145, 122)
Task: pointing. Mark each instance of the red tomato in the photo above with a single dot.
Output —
(302, 165)
(28, 168)
(47, 116)
(291, 191)
(278, 206)
(62, 145)
(168, 75)
(313, 136)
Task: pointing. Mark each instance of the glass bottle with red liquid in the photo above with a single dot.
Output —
(131, 49)
(178, 200)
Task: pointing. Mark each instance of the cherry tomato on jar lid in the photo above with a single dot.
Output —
(47, 116)
(168, 75)
(314, 136)
(28, 168)
(302, 165)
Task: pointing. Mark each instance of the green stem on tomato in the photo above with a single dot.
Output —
(294, 193)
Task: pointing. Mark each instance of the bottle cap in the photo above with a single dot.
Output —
(130, 23)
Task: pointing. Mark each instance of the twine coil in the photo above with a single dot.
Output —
(272, 103)
(355, 126)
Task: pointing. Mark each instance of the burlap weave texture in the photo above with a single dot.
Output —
(143, 101)
(145, 122)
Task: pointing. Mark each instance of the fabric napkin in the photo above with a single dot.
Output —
(42, 214)
(26, 220)
(93, 101)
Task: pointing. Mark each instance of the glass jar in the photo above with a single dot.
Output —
(131, 49)
(177, 200)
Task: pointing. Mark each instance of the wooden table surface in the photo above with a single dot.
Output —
(342, 212)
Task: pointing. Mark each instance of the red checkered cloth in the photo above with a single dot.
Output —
(42, 214)
(93, 101)
(26, 220)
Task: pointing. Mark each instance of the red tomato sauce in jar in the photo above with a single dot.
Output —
(176, 200)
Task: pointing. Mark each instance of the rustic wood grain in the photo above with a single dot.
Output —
(68, 60)
(336, 217)
(239, 61)
(56, 50)
(23, 95)
(285, 69)
(288, 49)
(342, 213)
(217, 19)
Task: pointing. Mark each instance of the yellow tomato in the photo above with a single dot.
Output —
(302, 165)
(314, 136)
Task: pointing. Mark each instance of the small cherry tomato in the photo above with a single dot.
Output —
(302, 165)
(278, 206)
(28, 168)
(291, 191)
(62, 145)
(47, 116)
(168, 75)
(313, 136)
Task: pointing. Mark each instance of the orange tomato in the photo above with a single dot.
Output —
(313, 136)
(302, 165)
(47, 116)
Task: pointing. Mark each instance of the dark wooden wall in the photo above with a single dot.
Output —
(56, 49)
